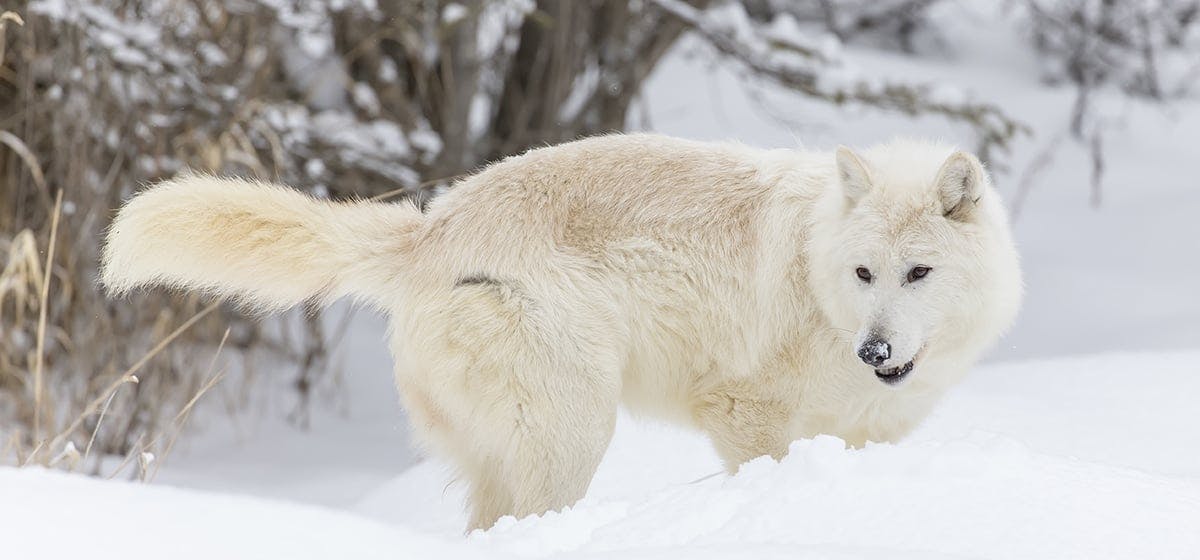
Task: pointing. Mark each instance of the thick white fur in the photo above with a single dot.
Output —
(270, 246)
(711, 284)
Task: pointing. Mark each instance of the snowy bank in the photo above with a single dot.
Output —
(978, 498)
(1055, 459)
(51, 515)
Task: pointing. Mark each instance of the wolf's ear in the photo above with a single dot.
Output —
(960, 184)
(853, 175)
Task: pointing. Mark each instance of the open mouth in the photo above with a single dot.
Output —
(894, 375)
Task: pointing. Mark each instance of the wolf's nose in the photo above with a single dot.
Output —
(874, 352)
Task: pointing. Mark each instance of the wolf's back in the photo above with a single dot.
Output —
(268, 246)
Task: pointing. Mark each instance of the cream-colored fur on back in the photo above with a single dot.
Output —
(710, 284)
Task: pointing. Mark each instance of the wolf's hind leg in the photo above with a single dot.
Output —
(552, 444)
(557, 451)
(490, 499)
(533, 394)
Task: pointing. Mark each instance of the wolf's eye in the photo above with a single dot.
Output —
(917, 273)
(863, 274)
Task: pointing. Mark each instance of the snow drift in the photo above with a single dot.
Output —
(995, 474)
(983, 497)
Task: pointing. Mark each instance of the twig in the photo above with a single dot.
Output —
(422, 185)
(1096, 150)
(103, 410)
(134, 451)
(706, 477)
(128, 375)
(186, 411)
(43, 307)
(1041, 161)
(32, 454)
(35, 169)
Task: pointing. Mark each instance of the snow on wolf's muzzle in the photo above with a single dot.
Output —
(875, 352)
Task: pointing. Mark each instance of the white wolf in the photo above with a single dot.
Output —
(759, 296)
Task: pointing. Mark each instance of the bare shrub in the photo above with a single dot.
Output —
(1144, 48)
(893, 24)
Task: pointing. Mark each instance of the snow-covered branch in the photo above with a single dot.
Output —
(1145, 49)
(781, 53)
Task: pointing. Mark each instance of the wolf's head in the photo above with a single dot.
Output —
(912, 254)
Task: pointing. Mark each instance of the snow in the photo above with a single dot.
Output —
(479, 117)
(211, 54)
(496, 20)
(107, 519)
(1134, 411)
(453, 13)
(56, 9)
(314, 167)
(387, 71)
(584, 84)
(364, 97)
(979, 498)
(1001, 471)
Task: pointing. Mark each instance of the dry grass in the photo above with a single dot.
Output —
(39, 392)
(76, 138)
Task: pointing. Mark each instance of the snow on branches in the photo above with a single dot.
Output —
(780, 52)
(1142, 48)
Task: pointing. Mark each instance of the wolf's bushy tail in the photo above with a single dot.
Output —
(268, 246)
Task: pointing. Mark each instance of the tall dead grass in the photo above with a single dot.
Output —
(83, 123)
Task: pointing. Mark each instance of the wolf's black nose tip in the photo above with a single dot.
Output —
(874, 352)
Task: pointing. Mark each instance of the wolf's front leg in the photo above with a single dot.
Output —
(743, 423)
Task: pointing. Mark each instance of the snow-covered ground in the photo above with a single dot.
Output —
(1071, 458)
(1039, 454)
